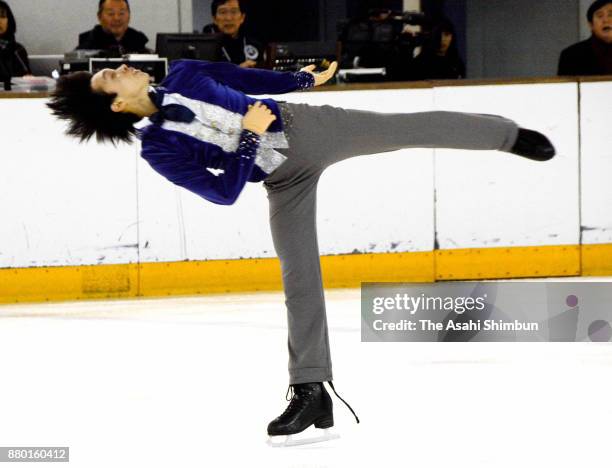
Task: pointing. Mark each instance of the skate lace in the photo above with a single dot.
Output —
(297, 402)
(342, 399)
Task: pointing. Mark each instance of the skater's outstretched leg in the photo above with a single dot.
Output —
(329, 134)
(533, 145)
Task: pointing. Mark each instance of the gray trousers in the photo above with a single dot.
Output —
(320, 136)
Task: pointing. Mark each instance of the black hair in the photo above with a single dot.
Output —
(596, 6)
(12, 25)
(88, 112)
(217, 3)
(443, 25)
(102, 2)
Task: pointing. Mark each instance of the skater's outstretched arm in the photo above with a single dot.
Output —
(250, 80)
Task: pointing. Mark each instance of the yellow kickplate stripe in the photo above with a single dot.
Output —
(597, 260)
(213, 276)
(222, 276)
(349, 271)
(339, 271)
(508, 262)
(68, 283)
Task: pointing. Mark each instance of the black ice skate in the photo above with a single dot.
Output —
(533, 145)
(310, 404)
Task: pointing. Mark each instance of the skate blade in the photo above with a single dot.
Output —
(292, 441)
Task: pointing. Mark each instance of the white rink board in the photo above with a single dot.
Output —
(494, 199)
(69, 204)
(596, 162)
(62, 203)
(177, 225)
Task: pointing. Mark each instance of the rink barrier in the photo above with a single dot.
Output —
(339, 271)
(122, 279)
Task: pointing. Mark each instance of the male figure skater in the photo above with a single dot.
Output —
(201, 118)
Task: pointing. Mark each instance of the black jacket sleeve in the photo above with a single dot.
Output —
(566, 67)
(577, 59)
(15, 60)
(85, 41)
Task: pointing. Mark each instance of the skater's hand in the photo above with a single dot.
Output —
(258, 118)
(324, 76)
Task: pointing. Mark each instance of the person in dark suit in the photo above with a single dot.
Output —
(113, 34)
(13, 56)
(236, 47)
(594, 55)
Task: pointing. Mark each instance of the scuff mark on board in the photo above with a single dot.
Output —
(126, 229)
(120, 246)
(450, 241)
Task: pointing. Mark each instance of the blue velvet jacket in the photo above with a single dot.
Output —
(186, 160)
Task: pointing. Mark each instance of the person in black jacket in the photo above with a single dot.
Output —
(594, 55)
(236, 47)
(13, 56)
(439, 59)
(113, 34)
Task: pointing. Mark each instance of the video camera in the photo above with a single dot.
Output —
(384, 38)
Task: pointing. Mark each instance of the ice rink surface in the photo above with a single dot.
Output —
(194, 381)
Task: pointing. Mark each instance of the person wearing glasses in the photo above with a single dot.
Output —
(236, 47)
(592, 56)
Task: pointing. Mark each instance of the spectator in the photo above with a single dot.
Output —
(594, 55)
(236, 47)
(439, 59)
(13, 56)
(113, 34)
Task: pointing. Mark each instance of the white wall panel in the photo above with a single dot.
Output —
(69, 204)
(596, 162)
(491, 199)
(62, 203)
